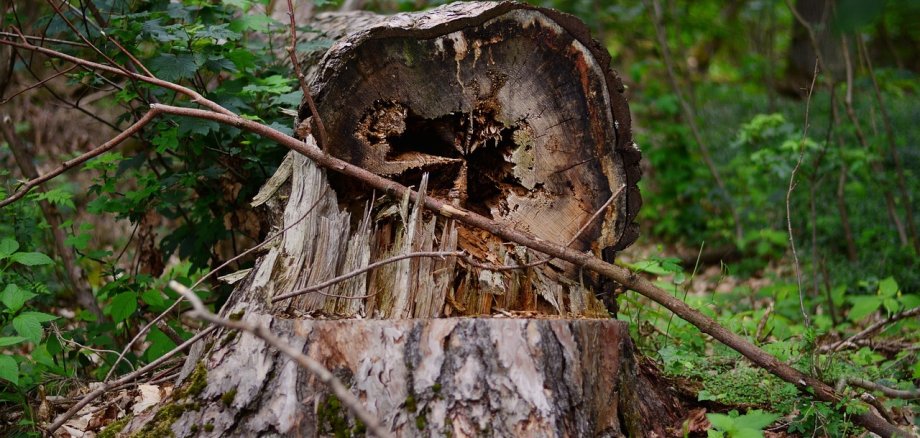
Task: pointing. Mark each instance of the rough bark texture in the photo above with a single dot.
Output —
(434, 377)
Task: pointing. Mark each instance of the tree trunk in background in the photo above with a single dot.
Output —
(801, 54)
(501, 108)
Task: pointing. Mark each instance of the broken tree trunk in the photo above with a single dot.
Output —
(504, 109)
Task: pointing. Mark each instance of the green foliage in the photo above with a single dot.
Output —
(749, 425)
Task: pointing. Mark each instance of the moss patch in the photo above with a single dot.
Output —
(236, 316)
(197, 381)
(111, 431)
(161, 425)
(228, 397)
(332, 419)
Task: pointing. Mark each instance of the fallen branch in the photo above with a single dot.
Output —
(324, 375)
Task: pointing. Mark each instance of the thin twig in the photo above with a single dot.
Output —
(69, 164)
(308, 97)
(357, 272)
(892, 146)
(43, 39)
(194, 95)
(38, 84)
(872, 329)
(201, 280)
(322, 373)
(104, 387)
(904, 394)
(95, 11)
(798, 164)
(875, 164)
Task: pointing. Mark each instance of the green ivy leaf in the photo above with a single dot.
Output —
(8, 247)
(15, 297)
(122, 306)
(31, 258)
(9, 369)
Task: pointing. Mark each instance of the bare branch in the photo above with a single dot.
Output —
(324, 375)
(357, 272)
(194, 95)
(689, 116)
(38, 84)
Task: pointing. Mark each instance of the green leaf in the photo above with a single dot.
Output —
(756, 419)
(80, 241)
(160, 344)
(122, 306)
(166, 139)
(40, 316)
(9, 369)
(11, 340)
(153, 298)
(171, 67)
(721, 421)
(888, 287)
(15, 297)
(41, 356)
(891, 305)
(29, 327)
(31, 258)
(8, 247)
(57, 196)
(863, 306)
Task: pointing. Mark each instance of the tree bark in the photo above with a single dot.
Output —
(433, 377)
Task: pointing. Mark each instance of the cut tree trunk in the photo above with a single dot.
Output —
(504, 109)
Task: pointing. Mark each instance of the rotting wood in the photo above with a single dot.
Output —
(514, 113)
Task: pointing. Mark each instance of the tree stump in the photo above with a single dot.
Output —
(505, 109)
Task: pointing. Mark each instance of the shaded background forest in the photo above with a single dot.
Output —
(721, 136)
